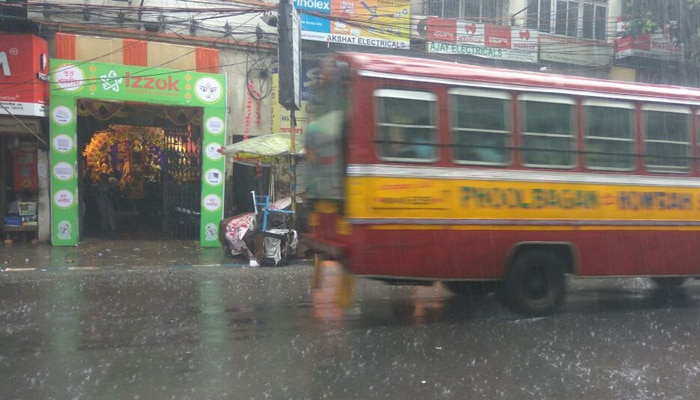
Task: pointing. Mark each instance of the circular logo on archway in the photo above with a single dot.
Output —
(211, 202)
(214, 177)
(69, 78)
(64, 230)
(63, 171)
(215, 125)
(63, 143)
(208, 90)
(63, 198)
(212, 151)
(62, 115)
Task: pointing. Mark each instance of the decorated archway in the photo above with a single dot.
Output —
(72, 81)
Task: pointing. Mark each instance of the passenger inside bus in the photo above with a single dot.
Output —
(398, 146)
(423, 149)
(408, 143)
(481, 147)
(409, 140)
(419, 134)
(491, 151)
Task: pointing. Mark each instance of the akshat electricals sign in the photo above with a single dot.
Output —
(375, 23)
(23, 75)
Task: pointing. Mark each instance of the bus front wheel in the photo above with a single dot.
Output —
(535, 283)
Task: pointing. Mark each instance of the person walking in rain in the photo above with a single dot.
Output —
(107, 190)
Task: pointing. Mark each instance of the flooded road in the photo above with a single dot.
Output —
(264, 333)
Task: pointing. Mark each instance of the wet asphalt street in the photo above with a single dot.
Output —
(97, 253)
(198, 329)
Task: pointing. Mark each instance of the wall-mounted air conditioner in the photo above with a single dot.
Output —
(418, 26)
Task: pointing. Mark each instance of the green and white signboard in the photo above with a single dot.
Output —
(73, 80)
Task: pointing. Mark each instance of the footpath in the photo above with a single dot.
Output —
(100, 253)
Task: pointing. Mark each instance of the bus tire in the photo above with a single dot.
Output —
(535, 283)
(668, 282)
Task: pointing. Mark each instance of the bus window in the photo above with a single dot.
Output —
(666, 138)
(608, 135)
(480, 126)
(547, 129)
(406, 125)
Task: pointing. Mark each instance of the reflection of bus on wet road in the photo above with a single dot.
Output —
(424, 171)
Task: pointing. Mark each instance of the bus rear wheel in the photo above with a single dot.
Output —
(535, 283)
(668, 282)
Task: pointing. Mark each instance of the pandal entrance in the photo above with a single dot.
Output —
(142, 182)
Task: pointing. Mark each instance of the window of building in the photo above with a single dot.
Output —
(567, 18)
(480, 126)
(406, 125)
(547, 131)
(594, 21)
(608, 134)
(666, 138)
(539, 15)
(485, 11)
(585, 19)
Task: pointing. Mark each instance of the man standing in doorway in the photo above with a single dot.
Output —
(107, 191)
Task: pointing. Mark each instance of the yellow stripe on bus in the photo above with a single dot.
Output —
(443, 199)
(405, 227)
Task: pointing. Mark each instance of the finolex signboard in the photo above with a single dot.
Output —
(72, 80)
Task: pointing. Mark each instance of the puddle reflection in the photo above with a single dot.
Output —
(405, 304)
(325, 297)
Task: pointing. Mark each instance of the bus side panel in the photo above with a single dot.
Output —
(642, 251)
(430, 227)
(424, 252)
(448, 253)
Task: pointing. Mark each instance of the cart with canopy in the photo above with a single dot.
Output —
(274, 213)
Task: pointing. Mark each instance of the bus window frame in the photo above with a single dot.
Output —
(610, 103)
(523, 133)
(507, 151)
(666, 108)
(406, 94)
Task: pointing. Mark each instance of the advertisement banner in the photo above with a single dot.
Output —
(280, 117)
(587, 52)
(656, 45)
(454, 36)
(23, 75)
(25, 169)
(71, 80)
(281, 122)
(374, 23)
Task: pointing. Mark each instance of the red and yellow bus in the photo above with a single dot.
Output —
(423, 171)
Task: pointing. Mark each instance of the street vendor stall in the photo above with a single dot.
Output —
(274, 216)
(271, 150)
(265, 149)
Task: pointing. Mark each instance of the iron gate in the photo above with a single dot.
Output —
(182, 185)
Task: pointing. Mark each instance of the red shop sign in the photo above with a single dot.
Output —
(23, 74)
